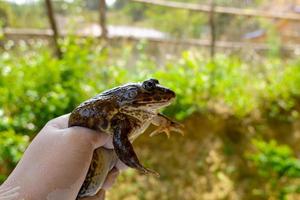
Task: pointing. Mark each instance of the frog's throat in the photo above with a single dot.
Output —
(137, 113)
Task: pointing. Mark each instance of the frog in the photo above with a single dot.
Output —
(124, 113)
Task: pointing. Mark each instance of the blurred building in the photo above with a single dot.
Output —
(123, 31)
(82, 27)
(287, 30)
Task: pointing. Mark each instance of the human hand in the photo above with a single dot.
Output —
(55, 164)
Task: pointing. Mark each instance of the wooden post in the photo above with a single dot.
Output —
(212, 49)
(212, 30)
(53, 27)
(102, 12)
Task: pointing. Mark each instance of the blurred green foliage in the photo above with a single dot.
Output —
(36, 87)
(12, 147)
(31, 15)
(277, 168)
(6, 14)
(227, 85)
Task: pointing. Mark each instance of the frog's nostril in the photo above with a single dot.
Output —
(170, 93)
(173, 94)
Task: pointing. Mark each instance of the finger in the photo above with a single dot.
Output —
(60, 122)
(99, 196)
(110, 178)
(121, 166)
(109, 143)
(97, 139)
(9, 193)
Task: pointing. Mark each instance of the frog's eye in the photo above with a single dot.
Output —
(130, 94)
(154, 80)
(149, 85)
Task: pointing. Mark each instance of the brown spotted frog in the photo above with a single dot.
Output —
(124, 113)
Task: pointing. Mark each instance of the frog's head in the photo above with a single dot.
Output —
(148, 95)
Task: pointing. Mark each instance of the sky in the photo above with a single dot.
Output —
(108, 2)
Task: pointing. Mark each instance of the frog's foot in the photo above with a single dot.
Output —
(165, 125)
(147, 171)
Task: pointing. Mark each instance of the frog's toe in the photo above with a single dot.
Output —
(148, 171)
(161, 130)
(178, 130)
(174, 126)
(155, 132)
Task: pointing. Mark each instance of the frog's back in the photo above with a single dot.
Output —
(94, 113)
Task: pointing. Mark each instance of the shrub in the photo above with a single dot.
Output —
(12, 147)
(36, 87)
(277, 169)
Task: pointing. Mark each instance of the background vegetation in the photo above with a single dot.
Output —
(241, 113)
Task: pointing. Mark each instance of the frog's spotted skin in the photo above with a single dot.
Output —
(124, 113)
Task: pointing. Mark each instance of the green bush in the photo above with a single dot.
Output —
(36, 87)
(12, 147)
(277, 168)
(51, 87)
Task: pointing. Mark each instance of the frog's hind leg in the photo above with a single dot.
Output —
(124, 149)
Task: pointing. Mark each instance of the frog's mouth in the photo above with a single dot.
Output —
(154, 105)
(156, 98)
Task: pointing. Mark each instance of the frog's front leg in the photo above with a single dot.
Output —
(124, 149)
(165, 125)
